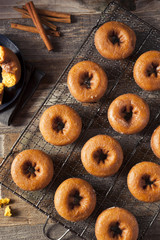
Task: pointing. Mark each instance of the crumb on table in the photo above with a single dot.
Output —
(7, 212)
(4, 201)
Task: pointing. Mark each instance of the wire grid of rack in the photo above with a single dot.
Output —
(111, 191)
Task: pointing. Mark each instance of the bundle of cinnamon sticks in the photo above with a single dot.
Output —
(41, 17)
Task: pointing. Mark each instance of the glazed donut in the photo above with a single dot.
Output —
(128, 114)
(102, 156)
(32, 170)
(11, 68)
(60, 125)
(146, 71)
(155, 142)
(87, 81)
(116, 223)
(75, 199)
(115, 40)
(144, 181)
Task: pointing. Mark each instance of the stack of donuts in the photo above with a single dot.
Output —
(101, 155)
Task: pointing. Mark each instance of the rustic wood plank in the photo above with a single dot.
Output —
(1, 145)
(143, 8)
(9, 140)
(23, 213)
(149, 11)
(26, 232)
(72, 6)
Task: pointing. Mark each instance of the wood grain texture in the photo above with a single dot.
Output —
(86, 13)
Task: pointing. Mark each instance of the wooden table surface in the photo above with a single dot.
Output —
(27, 222)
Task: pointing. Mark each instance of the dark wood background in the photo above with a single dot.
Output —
(27, 222)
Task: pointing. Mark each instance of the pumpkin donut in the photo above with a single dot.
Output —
(60, 125)
(128, 114)
(32, 170)
(11, 68)
(116, 223)
(75, 199)
(155, 142)
(87, 81)
(146, 71)
(115, 40)
(144, 181)
(102, 156)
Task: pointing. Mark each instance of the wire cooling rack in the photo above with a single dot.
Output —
(111, 191)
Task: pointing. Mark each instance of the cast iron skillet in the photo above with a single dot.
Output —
(12, 93)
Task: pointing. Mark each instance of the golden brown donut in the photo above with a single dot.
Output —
(87, 81)
(146, 71)
(115, 40)
(32, 170)
(75, 199)
(102, 156)
(116, 224)
(128, 114)
(144, 181)
(11, 68)
(60, 125)
(155, 142)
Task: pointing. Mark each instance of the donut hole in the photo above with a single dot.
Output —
(127, 113)
(115, 230)
(114, 38)
(152, 69)
(86, 80)
(100, 156)
(75, 199)
(58, 124)
(29, 169)
(146, 181)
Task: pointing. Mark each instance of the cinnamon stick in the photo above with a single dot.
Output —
(48, 24)
(63, 20)
(48, 18)
(51, 19)
(52, 13)
(37, 22)
(33, 29)
(43, 20)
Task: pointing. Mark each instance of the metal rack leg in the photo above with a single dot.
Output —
(46, 235)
